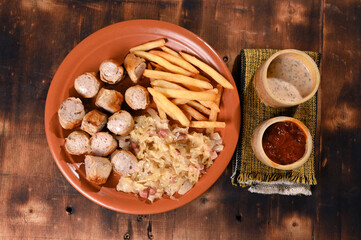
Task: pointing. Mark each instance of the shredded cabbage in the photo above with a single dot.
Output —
(170, 159)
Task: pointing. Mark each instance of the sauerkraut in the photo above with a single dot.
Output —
(170, 159)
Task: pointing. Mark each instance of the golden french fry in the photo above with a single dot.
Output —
(198, 106)
(161, 61)
(161, 113)
(194, 113)
(170, 108)
(207, 69)
(210, 104)
(188, 116)
(170, 51)
(159, 107)
(201, 77)
(177, 78)
(149, 66)
(176, 60)
(213, 90)
(186, 94)
(165, 84)
(207, 124)
(197, 89)
(180, 101)
(214, 113)
(149, 45)
(158, 67)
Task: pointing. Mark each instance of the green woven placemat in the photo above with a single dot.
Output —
(246, 167)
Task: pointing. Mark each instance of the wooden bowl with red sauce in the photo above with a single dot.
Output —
(284, 143)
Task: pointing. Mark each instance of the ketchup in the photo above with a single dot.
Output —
(284, 142)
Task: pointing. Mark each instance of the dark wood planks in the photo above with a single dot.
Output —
(35, 37)
(338, 193)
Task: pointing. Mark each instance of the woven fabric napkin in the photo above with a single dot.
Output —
(247, 170)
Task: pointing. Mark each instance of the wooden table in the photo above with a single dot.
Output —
(37, 202)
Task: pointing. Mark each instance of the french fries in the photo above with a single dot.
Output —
(165, 84)
(210, 104)
(161, 61)
(180, 101)
(193, 88)
(169, 108)
(188, 116)
(214, 113)
(207, 124)
(207, 69)
(186, 94)
(201, 77)
(177, 78)
(160, 105)
(162, 114)
(170, 51)
(194, 113)
(157, 67)
(199, 107)
(149, 45)
(179, 90)
(176, 60)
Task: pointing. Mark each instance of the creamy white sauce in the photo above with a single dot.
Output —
(289, 79)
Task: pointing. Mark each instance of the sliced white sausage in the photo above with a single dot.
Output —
(97, 169)
(111, 71)
(135, 67)
(94, 121)
(77, 143)
(102, 144)
(71, 113)
(124, 162)
(137, 97)
(121, 123)
(87, 85)
(109, 100)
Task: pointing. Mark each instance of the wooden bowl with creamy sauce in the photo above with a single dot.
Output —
(282, 142)
(288, 78)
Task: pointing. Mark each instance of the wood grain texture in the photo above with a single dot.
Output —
(338, 193)
(36, 36)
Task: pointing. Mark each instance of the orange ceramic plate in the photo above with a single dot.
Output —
(114, 42)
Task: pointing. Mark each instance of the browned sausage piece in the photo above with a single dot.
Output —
(111, 71)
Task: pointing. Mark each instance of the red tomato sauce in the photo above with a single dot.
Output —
(284, 142)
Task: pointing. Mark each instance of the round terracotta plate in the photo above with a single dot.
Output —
(114, 42)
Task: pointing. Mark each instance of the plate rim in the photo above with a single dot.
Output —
(83, 44)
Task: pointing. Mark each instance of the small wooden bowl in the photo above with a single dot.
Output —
(261, 79)
(260, 153)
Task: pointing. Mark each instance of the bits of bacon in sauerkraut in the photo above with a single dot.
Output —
(170, 159)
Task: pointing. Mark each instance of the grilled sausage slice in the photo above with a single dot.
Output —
(97, 169)
(71, 113)
(121, 123)
(124, 162)
(137, 97)
(87, 85)
(109, 100)
(135, 67)
(94, 121)
(111, 71)
(102, 144)
(77, 143)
